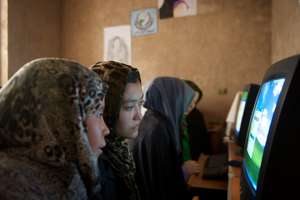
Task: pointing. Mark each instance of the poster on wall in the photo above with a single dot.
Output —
(144, 22)
(177, 8)
(117, 44)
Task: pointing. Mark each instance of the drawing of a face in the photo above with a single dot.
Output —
(117, 50)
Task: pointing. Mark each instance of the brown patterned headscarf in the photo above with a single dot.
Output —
(43, 135)
(116, 75)
(116, 152)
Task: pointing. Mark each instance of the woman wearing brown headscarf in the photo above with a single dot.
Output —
(123, 114)
(51, 131)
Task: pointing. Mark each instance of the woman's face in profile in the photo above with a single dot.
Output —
(193, 103)
(97, 130)
(130, 113)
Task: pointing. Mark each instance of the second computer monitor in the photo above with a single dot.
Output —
(244, 112)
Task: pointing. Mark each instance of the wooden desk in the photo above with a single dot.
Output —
(234, 173)
(196, 181)
(233, 192)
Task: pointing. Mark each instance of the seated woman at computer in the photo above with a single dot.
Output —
(158, 150)
(195, 128)
(123, 116)
(52, 131)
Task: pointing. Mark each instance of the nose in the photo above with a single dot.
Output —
(105, 129)
(138, 113)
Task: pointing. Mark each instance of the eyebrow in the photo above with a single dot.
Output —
(133, 100)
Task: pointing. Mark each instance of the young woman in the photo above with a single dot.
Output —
(51, 131)
(159, 148)
(123, 115)
(199, 139)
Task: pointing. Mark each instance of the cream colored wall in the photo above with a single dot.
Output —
(34, 29)
(1, 43)
(224, 47)
(285, 29)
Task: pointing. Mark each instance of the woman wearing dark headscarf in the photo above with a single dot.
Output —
(123, 114)
(198, 135)
(51, 131)
(158, 150)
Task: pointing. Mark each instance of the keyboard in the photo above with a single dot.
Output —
(216, 167)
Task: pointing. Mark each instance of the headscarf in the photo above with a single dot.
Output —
(116, 75)
(117, 152)
(170, 97)
(42, 120)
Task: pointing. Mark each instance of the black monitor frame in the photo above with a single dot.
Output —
(240, 136)
(280, 168)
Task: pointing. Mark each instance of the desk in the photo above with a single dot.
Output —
(232, 185)
(196, 181)
(234, 173)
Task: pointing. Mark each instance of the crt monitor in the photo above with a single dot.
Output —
(247, 102)
(231, 116)
(271, 168)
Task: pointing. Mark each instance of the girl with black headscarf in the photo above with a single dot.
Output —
(123, 114)
(51, 131)
(199, 139)
(158, 149)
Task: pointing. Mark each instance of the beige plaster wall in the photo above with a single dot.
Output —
(1, 42)
(34, 29)
(222, 48)
(285, 29)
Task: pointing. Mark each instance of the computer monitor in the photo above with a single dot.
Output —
(247, 102)
(270, 167)
(231, 116)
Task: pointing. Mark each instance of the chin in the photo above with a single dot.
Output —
(98, 152)
(134, 135)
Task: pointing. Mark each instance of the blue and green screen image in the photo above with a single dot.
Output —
(259, 127)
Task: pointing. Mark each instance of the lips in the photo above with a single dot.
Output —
(97, 152)
(102, 146)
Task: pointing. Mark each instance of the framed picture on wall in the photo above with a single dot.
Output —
(177, 8)
(144, 22)
(117, 44)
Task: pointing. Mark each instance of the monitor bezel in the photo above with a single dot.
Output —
(282, 69)
(252, 90)
(237, 133)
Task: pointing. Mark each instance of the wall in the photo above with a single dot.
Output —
(3, 42)
(285, 29)
(34, 29)
(1, 35)
(225, 46)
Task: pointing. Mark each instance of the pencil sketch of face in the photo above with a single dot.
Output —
(117, 50)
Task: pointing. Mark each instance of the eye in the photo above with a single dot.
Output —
(128, 107)
(141, 103)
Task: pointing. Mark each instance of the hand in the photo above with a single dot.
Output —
(190, 167)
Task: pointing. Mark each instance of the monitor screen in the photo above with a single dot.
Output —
(241, 112)
(259, 127)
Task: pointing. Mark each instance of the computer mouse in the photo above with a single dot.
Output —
(235, 163)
